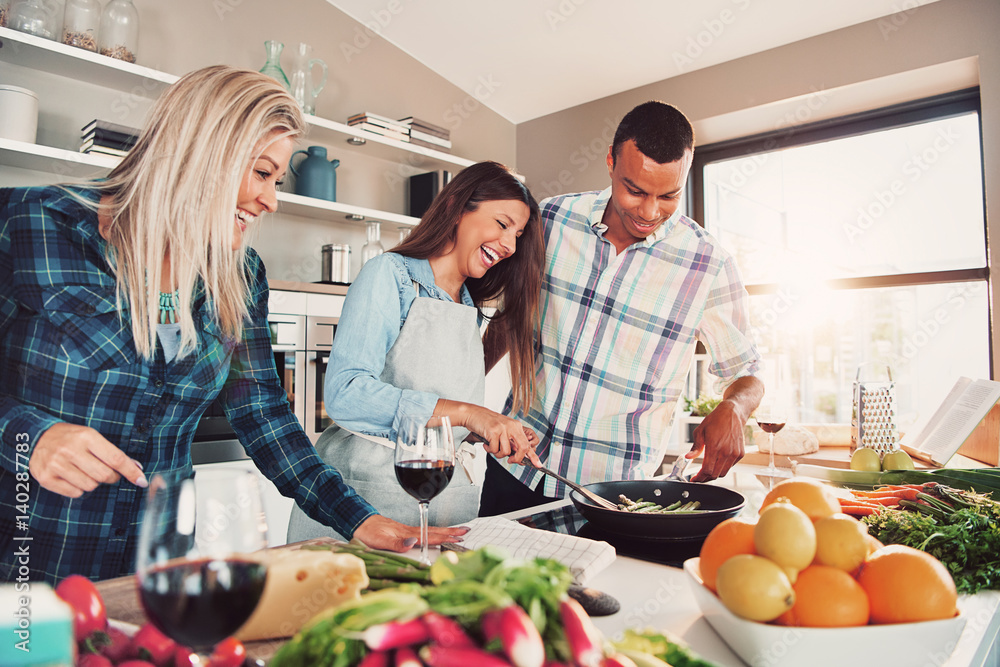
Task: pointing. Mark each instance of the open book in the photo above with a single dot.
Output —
(950, 426)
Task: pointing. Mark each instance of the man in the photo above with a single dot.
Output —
(631, 286)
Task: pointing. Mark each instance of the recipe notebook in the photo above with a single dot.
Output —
(958, 417)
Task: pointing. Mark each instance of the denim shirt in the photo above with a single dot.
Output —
(376, 308)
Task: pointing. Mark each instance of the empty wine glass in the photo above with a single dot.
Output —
(198, 577)
(425, 462)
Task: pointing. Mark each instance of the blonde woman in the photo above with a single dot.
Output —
(127, 306)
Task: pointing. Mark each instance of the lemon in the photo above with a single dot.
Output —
(841, 542)
(866, 459)
(898, 460)
(785, 535)
(754, 588)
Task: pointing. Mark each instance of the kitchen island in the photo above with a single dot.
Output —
(659, 596)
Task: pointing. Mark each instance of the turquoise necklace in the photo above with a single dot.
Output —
(168, 306)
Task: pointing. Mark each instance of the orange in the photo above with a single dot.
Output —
(826, 597)
(811, 496)
(731, 537)
(905, 585)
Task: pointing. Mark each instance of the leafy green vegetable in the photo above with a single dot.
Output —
(965, 538)
(664, 646)
(701, 406)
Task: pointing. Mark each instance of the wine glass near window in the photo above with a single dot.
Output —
(425, 462)
(198, 577)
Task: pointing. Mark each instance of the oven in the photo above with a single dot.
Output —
(323, 315)
(214, 440)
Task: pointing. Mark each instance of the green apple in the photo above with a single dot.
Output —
(866, 459)
(897, 460)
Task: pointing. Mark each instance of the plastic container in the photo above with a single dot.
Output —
(81, 21)
(40, 18)
(18, 114)
(119, 33)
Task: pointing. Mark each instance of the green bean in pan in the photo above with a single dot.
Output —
(646, 507)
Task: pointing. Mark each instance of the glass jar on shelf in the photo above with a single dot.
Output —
(373, 246)
(36, 17)
(81, 21)
(119, 33)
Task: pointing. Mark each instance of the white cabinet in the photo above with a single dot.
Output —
(133, 88)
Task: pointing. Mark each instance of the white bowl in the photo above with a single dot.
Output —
(760, 644)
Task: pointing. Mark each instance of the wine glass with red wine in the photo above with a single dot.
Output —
(771, 419)
(199, 579)
(425, 462)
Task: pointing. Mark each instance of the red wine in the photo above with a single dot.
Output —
(424, 479)
(200, 603)
(771, 427)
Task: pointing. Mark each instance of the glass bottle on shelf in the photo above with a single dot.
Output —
(35, 17)
(404, 232)
(273, 65)
(373, 246)
(119, 33)
(81, 21)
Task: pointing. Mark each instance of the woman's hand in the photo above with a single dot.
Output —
(71, 460)
(380, 532)
(502, 435)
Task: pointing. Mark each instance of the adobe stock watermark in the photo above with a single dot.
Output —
(662, 598)
(379, 20)
(803, 112)
(223, 7)
(712, 30)
(931, 325)
(561, 13)
(581, 158)
(913, 170)
(887, 25)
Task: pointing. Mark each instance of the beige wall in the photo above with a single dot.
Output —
(365, 74)
(563, 152)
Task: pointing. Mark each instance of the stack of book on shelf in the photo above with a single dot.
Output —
(101, 136)
(427, 134)
(387, 127)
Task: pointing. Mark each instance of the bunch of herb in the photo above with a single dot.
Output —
(701, 406)
(965, 536)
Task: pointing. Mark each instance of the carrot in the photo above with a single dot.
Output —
(860, 511)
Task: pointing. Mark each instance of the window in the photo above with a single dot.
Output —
(859, 240)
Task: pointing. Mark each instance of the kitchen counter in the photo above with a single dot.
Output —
(660, 597)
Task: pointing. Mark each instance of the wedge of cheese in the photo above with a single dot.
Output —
(300, 584)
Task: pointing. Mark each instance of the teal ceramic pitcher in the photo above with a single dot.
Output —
(315, 176)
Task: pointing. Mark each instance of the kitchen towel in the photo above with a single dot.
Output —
(585, 558)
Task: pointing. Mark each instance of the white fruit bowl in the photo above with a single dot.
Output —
(760, 644)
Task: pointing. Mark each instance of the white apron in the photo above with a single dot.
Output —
(439, 350)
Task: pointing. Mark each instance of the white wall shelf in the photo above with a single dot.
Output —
(58, 161)
(52, 57)
(68, 164)
(309, 207)
(46, 55)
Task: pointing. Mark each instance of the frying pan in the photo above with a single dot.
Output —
(719, 502)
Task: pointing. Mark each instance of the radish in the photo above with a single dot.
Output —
(395, 634)
(446, 631)
(455, 656)
(405, 657)
(584, 639)
(375, 659)
(517, 634)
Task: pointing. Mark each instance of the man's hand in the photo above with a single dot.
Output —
(380, 532)
(720, 434)
(71, 460)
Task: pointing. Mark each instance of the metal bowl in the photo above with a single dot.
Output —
(718, 503)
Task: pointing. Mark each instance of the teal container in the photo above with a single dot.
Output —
(315, 176)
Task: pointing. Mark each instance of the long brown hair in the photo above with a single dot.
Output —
(513, 285)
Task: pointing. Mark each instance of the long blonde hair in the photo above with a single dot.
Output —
(175, 193)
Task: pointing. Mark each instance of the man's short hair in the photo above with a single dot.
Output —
(660, 131)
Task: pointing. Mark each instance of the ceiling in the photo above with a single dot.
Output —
(528, 58)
